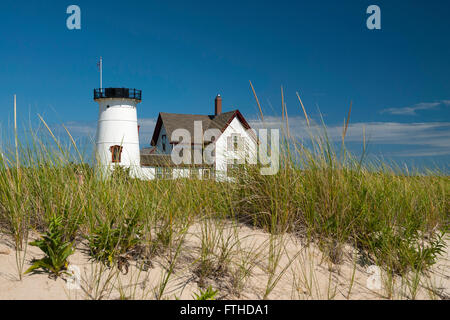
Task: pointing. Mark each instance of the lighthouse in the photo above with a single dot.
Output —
(117, 138)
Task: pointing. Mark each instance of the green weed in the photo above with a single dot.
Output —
(55, 247)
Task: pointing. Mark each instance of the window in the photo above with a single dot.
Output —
(167, 172)
(164, 140)
(207, 174)
(116, 153)
(163, 173)
(159, 173)
(194, 173)
(234, 142)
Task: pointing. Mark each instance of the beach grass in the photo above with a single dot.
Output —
(394, 219)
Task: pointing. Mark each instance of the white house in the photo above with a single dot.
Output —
(182, 145)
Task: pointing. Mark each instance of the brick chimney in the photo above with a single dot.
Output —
(218, 105)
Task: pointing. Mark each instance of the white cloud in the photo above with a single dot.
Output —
(81, 129)
(422, 152)
(432, 134)
(420, 138)
(411, 111)
(146, 130)
(88, 129)
(433, 138)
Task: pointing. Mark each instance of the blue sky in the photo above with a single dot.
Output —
(182, 53)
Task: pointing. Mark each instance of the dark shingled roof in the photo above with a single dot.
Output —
(173, 121)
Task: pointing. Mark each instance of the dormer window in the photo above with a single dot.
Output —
(234, 142)
(164, 141)
(116, 153)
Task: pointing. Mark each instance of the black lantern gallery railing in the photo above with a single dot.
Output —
(118, 93)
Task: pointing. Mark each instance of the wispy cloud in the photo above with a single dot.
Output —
(412, 139)
(432, 138)
(88, 129)
(81, 129)
(420, 152)
(146, 130)
(412, 110)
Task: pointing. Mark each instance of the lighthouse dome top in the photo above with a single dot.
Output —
(125, 93)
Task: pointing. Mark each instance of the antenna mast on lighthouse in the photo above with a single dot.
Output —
(100, 67)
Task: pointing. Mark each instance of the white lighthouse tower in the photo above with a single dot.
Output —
(117, 139)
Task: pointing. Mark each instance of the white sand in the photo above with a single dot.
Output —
(305, 274)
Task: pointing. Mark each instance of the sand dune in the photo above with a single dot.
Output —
(302, 272)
